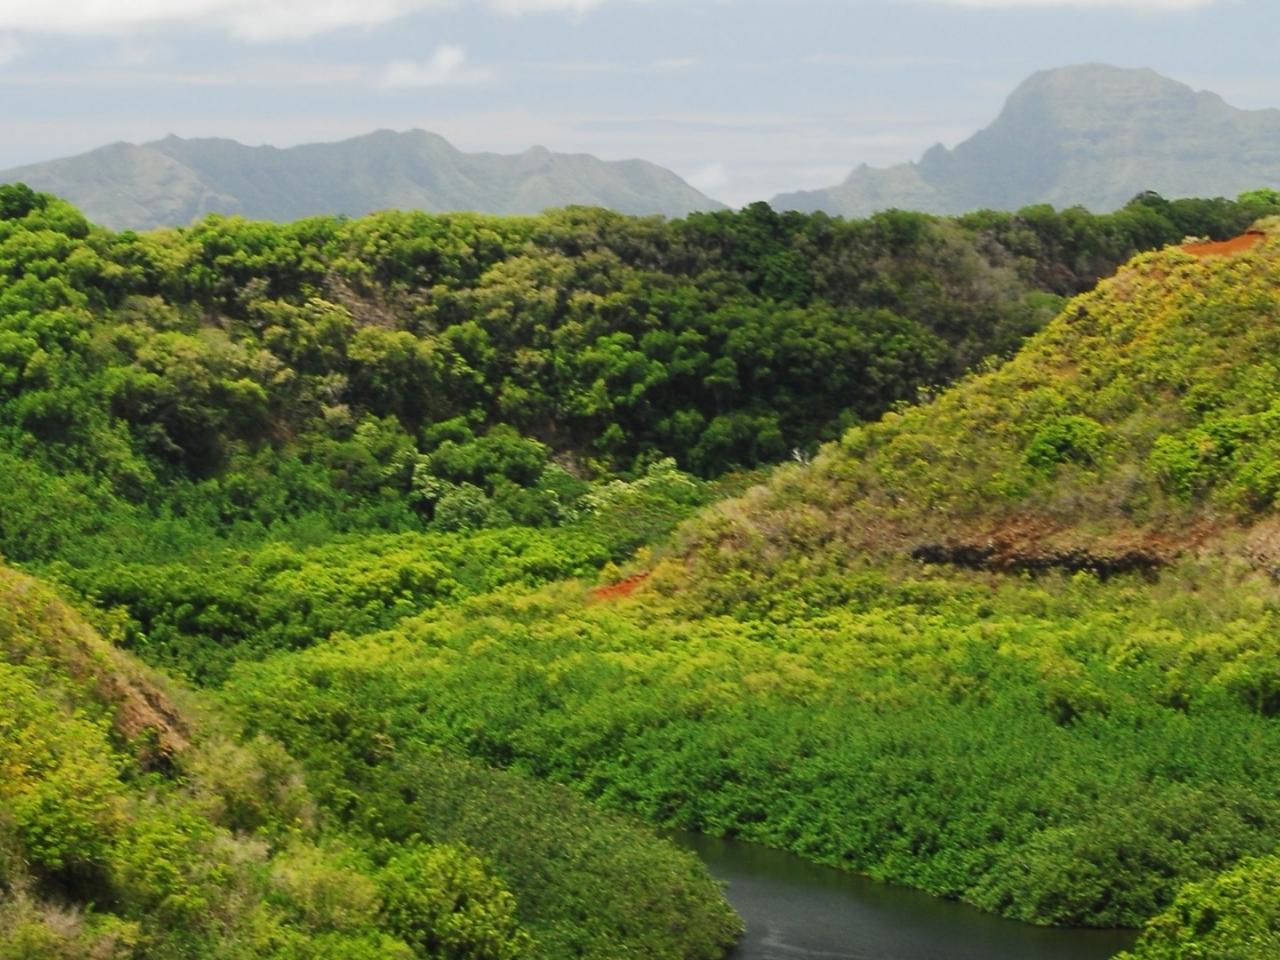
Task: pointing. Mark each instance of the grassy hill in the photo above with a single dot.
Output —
(1140, 423)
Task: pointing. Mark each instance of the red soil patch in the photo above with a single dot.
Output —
(1033, 544)
(622, 589)
(1225, 248)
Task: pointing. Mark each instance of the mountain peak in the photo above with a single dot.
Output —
(1092, 92)
(1090, 134)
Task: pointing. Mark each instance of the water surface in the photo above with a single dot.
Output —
(795, 910)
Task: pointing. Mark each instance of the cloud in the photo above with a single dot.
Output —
(10, 49)
(447, 67)
(1141, 6)
(251, 20)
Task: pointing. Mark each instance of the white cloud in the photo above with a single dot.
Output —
(247, 19)
(447, 67)
(252, 20)
(1143, 6)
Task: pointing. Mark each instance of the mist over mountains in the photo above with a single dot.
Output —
(1092, 135)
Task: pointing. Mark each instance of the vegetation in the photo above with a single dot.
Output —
(133, 827)
(358, 481)
(408, 371)
(791, 677)
(1234, 915)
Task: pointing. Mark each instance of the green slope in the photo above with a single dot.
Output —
(139, 821)
(1071, 744)
(1142, 420)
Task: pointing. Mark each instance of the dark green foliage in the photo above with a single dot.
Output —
(1066, 439)
(367, 372)
(17, 200)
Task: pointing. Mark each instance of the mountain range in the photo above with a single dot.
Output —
(170, 182)
(1092, 135)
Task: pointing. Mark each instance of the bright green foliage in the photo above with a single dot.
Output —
(222, 602)
(814, 727)
(56, 789)
(102, 858)
(1063, 750)
(445, 905)
(585, 882)
(1233, 916)
(220, 851)
(358, 475)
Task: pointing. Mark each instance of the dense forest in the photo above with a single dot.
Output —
(320, 665)
(407, 371)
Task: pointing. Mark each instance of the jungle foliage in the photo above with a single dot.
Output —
(138, 821)
(1067, 746)
(410, 371)
(358, 480)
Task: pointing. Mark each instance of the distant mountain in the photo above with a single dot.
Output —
(1092, 135)
(172, 181)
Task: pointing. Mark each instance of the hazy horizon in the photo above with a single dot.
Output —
(744, 99)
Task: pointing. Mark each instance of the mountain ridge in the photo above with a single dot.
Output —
(1091, 135)
(170, 182)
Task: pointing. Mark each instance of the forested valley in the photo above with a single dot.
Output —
(380, 587)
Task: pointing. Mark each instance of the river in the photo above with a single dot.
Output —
(795, 910)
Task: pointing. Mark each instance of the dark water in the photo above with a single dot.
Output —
(795, 910)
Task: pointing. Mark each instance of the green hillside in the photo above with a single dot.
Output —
(1142, 421)
(408, 371)
(447, 526)
(139, 821)
(1072, 743)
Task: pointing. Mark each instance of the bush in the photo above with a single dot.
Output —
(445, 904)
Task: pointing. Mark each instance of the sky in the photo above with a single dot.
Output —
(744, 98)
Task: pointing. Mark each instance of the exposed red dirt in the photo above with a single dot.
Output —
(1031, 544)
(1225, 248)
(622, 589)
